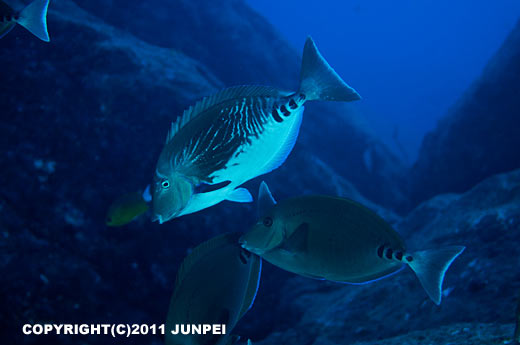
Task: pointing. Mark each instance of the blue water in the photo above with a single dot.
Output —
(83, 120)
(410, 60)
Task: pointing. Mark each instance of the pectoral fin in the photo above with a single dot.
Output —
(297, 241)
(200, 201)
(240, 195)
(206, 188)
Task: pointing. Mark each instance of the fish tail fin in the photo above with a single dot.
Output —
(34, 18)
(430, 266)
(318, 81)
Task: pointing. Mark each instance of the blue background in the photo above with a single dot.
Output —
(409, 60)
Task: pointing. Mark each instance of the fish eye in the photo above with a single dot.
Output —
(165, 184)
(268, 221)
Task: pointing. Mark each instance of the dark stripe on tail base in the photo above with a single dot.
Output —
(277, 116)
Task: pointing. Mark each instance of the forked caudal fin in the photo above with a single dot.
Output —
(430, 266)
(34, 19)
(318, 81)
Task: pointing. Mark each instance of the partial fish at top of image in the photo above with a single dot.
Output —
(33, 17)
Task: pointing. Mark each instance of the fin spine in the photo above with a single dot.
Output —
(220, 97)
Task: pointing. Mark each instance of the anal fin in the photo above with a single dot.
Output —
(240, 195)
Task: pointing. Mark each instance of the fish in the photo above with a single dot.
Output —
(33, 18)
(216, 284)
(340, 240)
(236, 135)
(128, 207)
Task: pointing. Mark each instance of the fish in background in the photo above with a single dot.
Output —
(216, 284)
(236, 135)
(33, 18)
(128, 207)
(339, 240)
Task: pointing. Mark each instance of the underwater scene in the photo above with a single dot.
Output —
(259, 172)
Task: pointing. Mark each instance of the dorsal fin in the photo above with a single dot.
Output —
(265, 200)
(219, 97)
(201, 251)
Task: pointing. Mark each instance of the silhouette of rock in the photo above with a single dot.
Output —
(479, 137)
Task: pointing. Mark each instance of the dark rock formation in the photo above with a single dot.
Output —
(240, 46)
(80, 118)
(480, 286)
(479, 137)
(457, 334)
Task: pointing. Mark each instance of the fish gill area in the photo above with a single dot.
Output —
(84, 118)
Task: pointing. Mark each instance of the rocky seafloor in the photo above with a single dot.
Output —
(84, 118)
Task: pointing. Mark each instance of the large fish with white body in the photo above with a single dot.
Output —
(339, 240)
(216, 284)
(33, 18)
(235, 135)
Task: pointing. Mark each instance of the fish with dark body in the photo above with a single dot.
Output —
(33, 18)
(234, 136)
(339, 240)
(216, 284)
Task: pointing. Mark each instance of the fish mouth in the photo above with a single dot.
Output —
(243, 243)
(163, 219)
